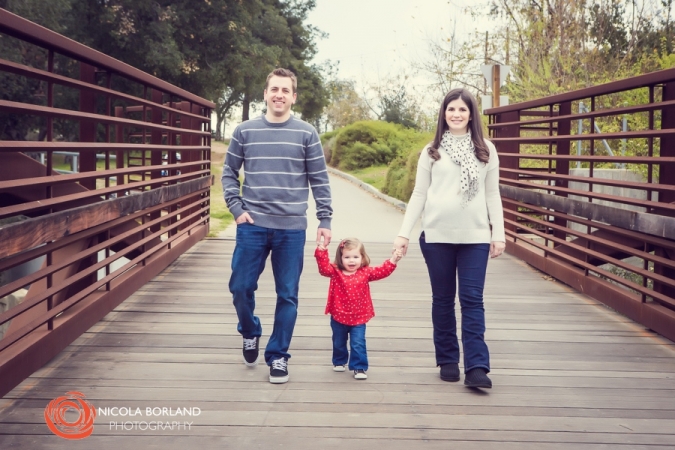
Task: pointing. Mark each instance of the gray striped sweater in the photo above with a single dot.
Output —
(281, 161)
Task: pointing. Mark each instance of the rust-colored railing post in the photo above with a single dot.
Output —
(87, 159)
(666, 176)
(562, 167)
(156, 155)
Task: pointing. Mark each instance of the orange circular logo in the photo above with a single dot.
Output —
(55, 416)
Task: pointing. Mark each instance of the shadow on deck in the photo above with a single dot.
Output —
(568, 372)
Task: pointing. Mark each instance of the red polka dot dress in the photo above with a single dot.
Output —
(349, 300)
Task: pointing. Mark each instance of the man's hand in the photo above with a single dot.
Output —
(323, 236)
(401, 243)
(245, 217)
(496, 248)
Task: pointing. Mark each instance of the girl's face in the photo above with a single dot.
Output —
(351, 260)
(457, 116)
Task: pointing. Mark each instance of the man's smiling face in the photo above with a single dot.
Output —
(279, 96)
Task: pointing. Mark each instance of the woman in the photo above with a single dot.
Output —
(457, 189)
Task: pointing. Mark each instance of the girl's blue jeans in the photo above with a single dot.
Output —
(253, 246)
(464, 266)
(358, 359)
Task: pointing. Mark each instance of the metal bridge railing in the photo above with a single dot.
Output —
(76, 243)
(602, 221)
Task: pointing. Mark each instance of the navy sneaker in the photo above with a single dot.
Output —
(279, 371)
(251, 351)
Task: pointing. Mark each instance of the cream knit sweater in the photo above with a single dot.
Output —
(437, 194)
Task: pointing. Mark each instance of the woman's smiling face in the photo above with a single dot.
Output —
(457, 116)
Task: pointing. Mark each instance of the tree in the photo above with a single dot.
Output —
(556, 46)
(218, 49)
(346, 106)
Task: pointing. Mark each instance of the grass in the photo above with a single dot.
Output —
(374, 176)
(221, 217)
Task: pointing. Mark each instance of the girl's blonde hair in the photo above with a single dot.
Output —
(351, 244)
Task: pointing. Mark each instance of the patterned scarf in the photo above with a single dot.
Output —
(461, 152)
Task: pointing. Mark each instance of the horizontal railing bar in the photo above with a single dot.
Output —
(590, 194)
(593, 180)
(647, 238)
(39, 205)
(26, 30)
(598, 255)
(34, 301)
(589, 115)
(645, 134)
(36, 323)
(38, 74)
(24, 108)
(42, 146)
(641, 81)
(53, 180)
(37, 252)
(656, 160)
(661, 226)
(36, 231)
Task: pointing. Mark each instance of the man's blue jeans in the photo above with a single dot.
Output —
(465, 265)
(253, 246)
(357, 343)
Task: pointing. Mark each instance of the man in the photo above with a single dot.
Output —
(282, 158)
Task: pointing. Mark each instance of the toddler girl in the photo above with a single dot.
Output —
(349, 302)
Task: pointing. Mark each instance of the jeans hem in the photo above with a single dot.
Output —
(478, 366)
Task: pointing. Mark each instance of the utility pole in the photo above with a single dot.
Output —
(496, 81)
(485, 88)
(507, 45)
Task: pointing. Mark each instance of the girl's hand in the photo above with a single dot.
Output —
(401, 244)
(496, 248)
(322, 247)
(396, 256)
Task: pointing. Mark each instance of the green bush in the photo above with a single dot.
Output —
(374, 143)
(379, 143)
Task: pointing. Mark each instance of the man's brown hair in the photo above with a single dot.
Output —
(281, 72)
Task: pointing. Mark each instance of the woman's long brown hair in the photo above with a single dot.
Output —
(475, 125)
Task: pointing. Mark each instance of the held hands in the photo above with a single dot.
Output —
(401, 244)
(323, 236)
(396, 256)
(496, 248)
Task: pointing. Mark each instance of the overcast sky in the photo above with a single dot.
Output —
(375, 39)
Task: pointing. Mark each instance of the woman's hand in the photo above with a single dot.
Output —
(496, 248)
(401, 243)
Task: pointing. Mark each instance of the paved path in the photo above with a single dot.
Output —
(569, 374)
(356, 213)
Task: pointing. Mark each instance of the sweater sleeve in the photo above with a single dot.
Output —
(230, 179)
(317, 174)
(493, 199)
(325, 267)
(383, 271)
(419, 196)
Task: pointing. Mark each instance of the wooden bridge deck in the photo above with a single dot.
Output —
(568, 373)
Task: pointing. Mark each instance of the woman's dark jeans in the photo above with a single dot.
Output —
(450, 265)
